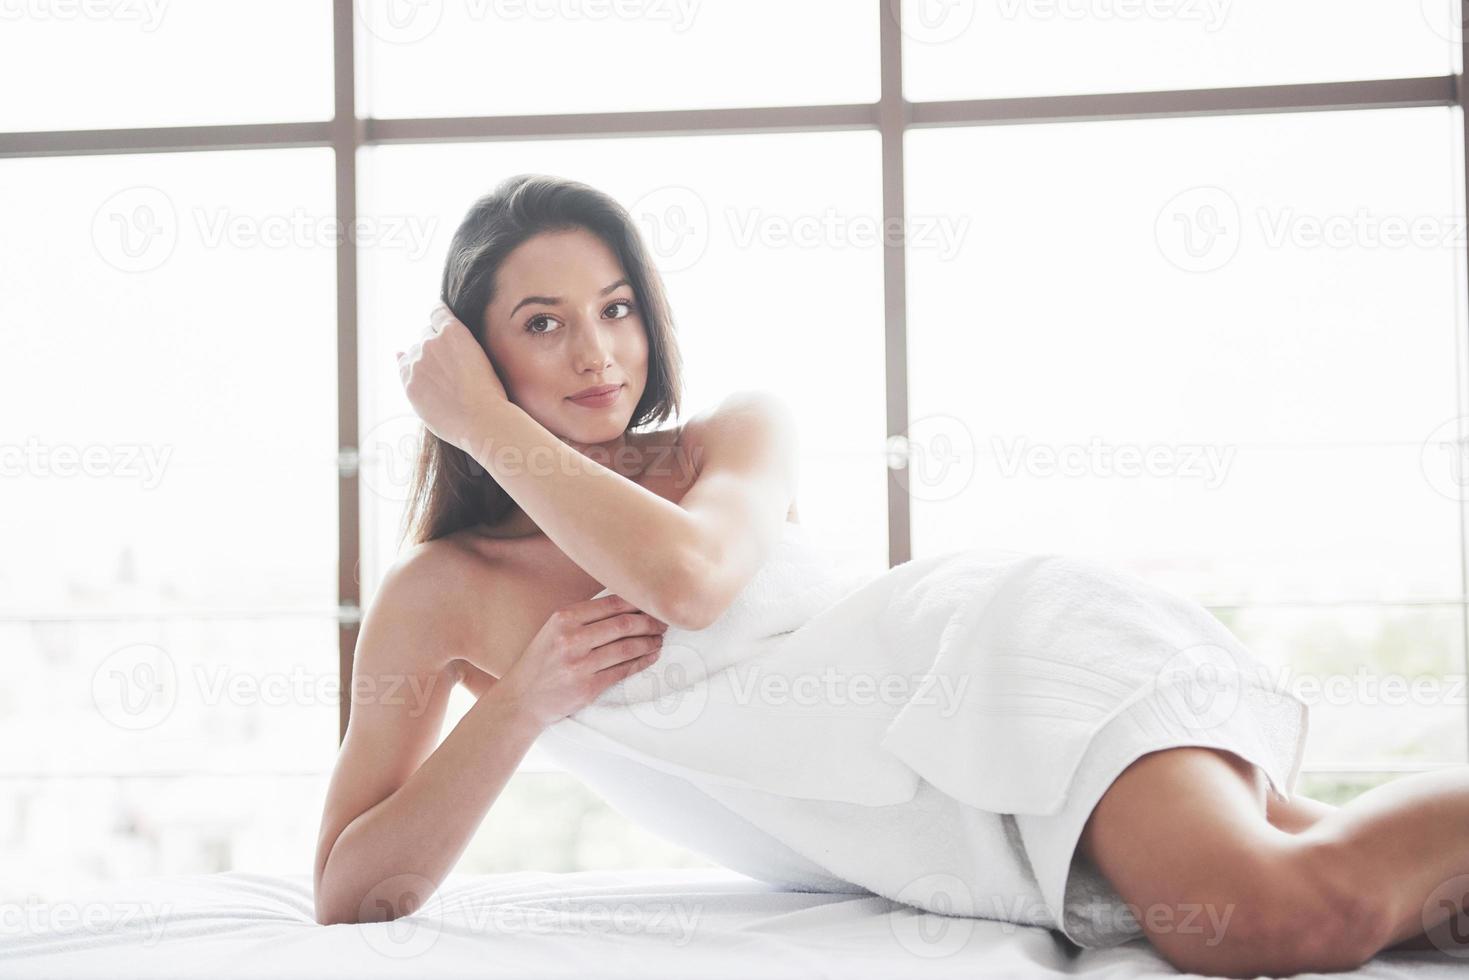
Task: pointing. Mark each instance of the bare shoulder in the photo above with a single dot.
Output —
(739, 408)
(748, 421)
(434, 600)
(751, 423)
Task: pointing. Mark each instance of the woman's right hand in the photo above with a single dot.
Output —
(583, 649)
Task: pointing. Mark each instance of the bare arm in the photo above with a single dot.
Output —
(639, 544)
(399, 812)
(396, 806)
(751, 456)
(391, 858)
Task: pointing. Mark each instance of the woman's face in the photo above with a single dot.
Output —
(564, 318)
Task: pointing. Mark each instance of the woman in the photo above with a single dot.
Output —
(540, 485)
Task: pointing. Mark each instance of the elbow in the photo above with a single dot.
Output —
(325, 918)
(687, 603)
(327, 906)
(689, 615)
(332, 907)
(329, 913)
(326, 915)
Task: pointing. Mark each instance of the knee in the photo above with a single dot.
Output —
(1291, 912)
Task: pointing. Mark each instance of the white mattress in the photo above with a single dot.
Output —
(646, 923)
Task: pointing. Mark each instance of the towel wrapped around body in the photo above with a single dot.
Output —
(936, 733)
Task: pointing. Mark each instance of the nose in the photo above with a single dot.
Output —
(593, 353)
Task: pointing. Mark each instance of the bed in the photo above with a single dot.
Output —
(704, 922)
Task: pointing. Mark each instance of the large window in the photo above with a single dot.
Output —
(1237, 410)
(1175, 285)
(168, 611)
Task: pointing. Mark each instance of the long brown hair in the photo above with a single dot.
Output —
(449, 489)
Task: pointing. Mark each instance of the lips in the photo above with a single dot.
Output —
(594, 392)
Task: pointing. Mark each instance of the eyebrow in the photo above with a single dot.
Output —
(556, 300)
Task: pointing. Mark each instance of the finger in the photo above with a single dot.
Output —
(626, 657)
(608, 631)
(591, 610)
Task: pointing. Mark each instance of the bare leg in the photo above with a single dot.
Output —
(1408, 840)
(1301, 813)
(1315, 887)
(1183, 836)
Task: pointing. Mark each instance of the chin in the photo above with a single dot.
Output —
(602, 428)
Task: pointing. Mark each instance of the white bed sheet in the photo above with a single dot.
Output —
(706, 922)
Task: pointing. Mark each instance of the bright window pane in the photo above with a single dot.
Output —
(1009, 48)
(774, 277)
(505, 57)
(90, 65)
(1385, 684)
(198, 695)
(168, 405)
(551, 821)
(1240, 307)
(62, 836)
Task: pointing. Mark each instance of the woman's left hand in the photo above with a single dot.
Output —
(449, 381)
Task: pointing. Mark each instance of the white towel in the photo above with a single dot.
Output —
(983, 671)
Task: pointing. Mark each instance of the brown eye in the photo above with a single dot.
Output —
(530, 324)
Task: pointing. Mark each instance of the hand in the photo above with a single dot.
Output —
(449, 379)
(583, 649)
